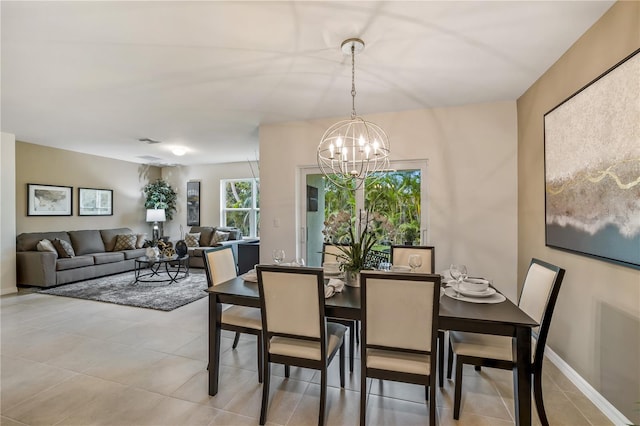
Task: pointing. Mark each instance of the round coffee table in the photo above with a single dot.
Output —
(149, 270)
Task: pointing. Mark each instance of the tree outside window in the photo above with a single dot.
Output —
(240, 205)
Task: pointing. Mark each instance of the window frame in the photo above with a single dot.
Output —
(254, 210)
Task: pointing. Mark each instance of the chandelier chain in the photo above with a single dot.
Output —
(353, 81)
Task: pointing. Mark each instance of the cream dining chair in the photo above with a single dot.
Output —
(402, 349)
(295, 329)
(400, 256)
(220, 266)
(538, 299)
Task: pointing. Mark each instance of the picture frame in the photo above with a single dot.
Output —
(193, 203)
(95, 202)
(592, 164)
(49, 200)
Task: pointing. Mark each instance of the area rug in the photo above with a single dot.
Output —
(120, 289)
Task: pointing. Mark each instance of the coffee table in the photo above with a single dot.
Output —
(149, 270)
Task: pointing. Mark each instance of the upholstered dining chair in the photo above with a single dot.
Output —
(220, 266)
(401, 349)
(329, 254)
(538, 299)
(295, 329)
(400, 256)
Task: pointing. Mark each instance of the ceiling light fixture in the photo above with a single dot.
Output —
(353, 149)
(179, 151)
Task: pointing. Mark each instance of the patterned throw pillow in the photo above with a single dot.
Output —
(46, 245)
(125, 242)
(218, 237)
(64, 248)
(192, 240)
(140, 239)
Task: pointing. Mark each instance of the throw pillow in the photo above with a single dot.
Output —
(46, 245)
(125, 242)
(64, 248)
(140, 240)
(219, 237)
(192, 240)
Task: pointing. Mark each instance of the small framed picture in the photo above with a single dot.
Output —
(49, 200)
(193, 203)
(95, 202)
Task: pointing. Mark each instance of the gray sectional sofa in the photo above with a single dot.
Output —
(94, 257)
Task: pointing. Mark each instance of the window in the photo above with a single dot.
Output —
(240, 205)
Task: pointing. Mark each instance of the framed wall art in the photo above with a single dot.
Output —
(592, 168)
(95, 202)
(193, 203)
(49, 200)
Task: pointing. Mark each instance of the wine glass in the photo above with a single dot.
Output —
(278, 256)
(459, 273)
(299, 261)
(415, 261)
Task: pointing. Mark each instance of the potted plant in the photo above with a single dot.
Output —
(160, 195)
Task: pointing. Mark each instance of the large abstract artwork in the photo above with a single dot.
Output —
(592, 168)
(193, 203)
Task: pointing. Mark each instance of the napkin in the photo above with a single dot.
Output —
(334, 286)
(251, 276)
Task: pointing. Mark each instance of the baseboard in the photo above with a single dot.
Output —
(9, 290)
(616, 417)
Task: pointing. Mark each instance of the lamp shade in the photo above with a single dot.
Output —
(156, 215)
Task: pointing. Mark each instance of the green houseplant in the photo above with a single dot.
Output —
(160, 195)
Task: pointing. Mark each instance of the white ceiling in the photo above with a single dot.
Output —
(95, 77)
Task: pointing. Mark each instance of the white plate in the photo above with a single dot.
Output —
(470, 293)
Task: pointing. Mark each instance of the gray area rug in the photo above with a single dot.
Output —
(120, 289)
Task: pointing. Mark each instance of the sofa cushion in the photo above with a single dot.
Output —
(205, 234)
(85, 242)
(140, 240)
(46, 245)
(74, 262)
(125, 242)
(28, 241)
(63, 248)
(108, 257)
(192, 240)
(134, 254)
(234, 233)
(109, 236)
(218, 237)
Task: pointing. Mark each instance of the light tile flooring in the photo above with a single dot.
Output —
(75, 362)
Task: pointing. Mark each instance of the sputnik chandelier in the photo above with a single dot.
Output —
(353, 149)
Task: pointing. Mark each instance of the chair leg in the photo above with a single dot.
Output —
(287, 371)
(432, 404)
(357, 331)
(426, 393)
(265, 393)
(441, 344)
(457, 396)
(352, 331)
(236, 340)
(363, 393)
(537, 396)
(323, 396)
(260, 360)
(450, 360)
(341, 355)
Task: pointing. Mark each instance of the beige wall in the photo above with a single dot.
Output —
(596, 325)
(43, 165)
(472, 202)
(209, 177)
(8, 214)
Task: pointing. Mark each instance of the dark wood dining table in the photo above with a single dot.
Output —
(504, 319)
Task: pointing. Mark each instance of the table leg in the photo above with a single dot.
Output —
(215, 319)
(522, 376)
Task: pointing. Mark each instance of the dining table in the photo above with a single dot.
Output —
(504, 319)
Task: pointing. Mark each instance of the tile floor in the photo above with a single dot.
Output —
(75, 362)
